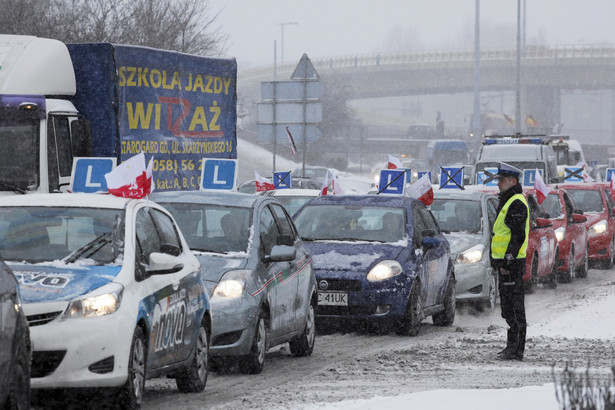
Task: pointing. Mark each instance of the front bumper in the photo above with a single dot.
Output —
(234, 325)
(472, 281)
(366, 300)
(599, 245)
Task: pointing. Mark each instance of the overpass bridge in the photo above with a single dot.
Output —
(546, 73)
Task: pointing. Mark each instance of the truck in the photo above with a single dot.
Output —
(63, 101)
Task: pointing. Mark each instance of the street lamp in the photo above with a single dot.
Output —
(282, 39)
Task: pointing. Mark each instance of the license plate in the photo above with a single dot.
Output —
(333, 298)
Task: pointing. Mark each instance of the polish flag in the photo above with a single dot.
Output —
(337, 188)
(262, 183)
(541, 189)
(586, 176)
(422, 190)
(394, 163)
(325, 185)
(131, 179)
(612, 188)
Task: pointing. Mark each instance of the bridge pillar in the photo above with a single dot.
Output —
(543, 104)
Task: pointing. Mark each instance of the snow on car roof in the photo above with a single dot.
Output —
(66, 199)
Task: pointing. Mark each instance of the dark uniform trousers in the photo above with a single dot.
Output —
(512, 295)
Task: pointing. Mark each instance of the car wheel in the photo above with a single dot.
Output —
(566, 277)
(194, 378)
(447, 316)
(19, 390)
(131, 393)
(551, 282)
(410, 324)
(608, 264)
(582, 270)
(530, 286)
(254, 362)
(303, 345)
(493, 291)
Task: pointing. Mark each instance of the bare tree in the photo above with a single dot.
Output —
(182, 25)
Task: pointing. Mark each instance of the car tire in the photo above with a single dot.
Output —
(19, 390)
(566, 276)
(131, 393)
(194, 378)
(609, 263)
(303, 345)
(530, 286)
(254, 362)
(410, 324)
(581, 271)
(447, 316)
(490, 303)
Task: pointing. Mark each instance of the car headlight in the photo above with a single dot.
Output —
(599, 227)
(560, 233)
(232, 285)
(472, 255)
(384, 270)
(103, 301)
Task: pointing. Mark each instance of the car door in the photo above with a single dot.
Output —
(300, 269)
(166, 297)
(576, 231)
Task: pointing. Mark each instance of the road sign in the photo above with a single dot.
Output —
(265, 133)
(289, 112)
(609, 174)
(305, 70)
(291, 90)
(88, 174)
(392, 182)
(219, 174)
(573, 174)
(282, 180)
(529, 177)
(451, 178)
(485, 177)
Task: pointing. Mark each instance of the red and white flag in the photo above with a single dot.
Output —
(262, 183)
(293, 147)
(541, 189)
(612, 187)
(586, 176)
(131, 179)
(394, 163)
(325, 185)
(337, 187)
(422, 190)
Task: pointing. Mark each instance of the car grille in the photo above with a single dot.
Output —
(45, 362)
(44, 318)
(346, 285)
(102, 366)
(345, 310)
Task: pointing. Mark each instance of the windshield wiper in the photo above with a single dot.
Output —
(15, 188)
(95, 245)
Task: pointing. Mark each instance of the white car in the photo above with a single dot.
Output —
(112, 293)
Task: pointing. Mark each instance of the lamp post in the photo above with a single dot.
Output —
(294, 23)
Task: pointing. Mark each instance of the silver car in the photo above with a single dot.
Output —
(466, 218)
(258, 273)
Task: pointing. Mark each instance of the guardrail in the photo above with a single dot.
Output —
(422, 57)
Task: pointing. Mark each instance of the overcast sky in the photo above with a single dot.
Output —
(348, 27)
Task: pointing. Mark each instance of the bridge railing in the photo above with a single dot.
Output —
(436, 56)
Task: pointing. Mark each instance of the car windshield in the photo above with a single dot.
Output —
(43, 234)
(213, 228)
(293, 203)
(351, 223)
(552, 205)
(457, 215)
(587, 200)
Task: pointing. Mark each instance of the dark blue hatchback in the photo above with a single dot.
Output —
(379, 258)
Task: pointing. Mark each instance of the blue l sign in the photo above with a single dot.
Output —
(392, 181)
(282, 180)
(529, 177)
(89, 174)
(219, 174)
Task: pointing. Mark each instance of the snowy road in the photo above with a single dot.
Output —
(572, 322)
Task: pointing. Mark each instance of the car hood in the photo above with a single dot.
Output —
(214, 266)
(342, 256)
(459, 242)
(44, 283)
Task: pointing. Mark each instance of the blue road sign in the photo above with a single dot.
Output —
(573, 174)
(609, 174)
(392, 182)
(219, 174)
(451, 178)
(419, 174)
(529, 177)
(282, 180)
(485, 177)
(89, 174)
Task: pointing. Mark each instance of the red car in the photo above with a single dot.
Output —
(571, 234)
(542, 249)
(595, 202)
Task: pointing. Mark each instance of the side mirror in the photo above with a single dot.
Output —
(281, 253)
(430, 242)
(163, 263)
(543, 223)
(577, 218)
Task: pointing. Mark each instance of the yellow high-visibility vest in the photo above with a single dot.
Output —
(501, 232)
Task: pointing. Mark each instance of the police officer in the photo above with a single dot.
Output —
(508, 246)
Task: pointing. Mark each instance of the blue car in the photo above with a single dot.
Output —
(379, 258)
